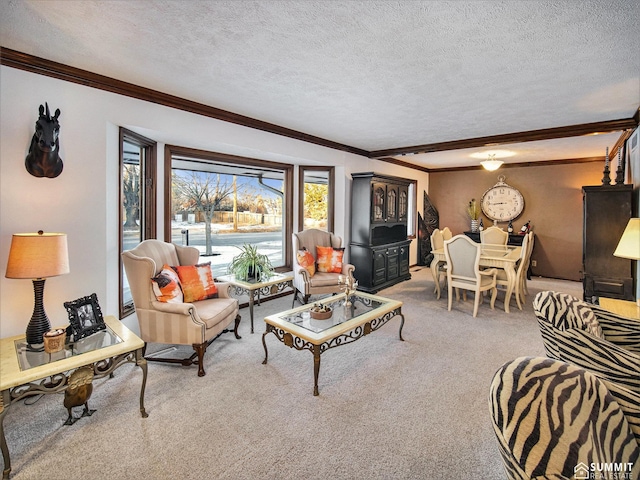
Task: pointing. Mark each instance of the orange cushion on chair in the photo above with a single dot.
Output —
(197, 282)
(306, 260)
(329, 259)
(166, 286)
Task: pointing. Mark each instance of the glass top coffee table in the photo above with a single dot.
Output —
(350, 320)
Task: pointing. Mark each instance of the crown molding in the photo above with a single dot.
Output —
(41, 66)
(516, 137)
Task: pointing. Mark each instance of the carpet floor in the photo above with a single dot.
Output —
(387, 409)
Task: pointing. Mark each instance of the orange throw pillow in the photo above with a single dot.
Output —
(166, 286)
(197, 282)
(330, 259)
(306, 260)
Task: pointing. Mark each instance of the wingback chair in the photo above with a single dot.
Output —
(590, 337)
(197, 323)
(463, 271)
(554, 420)
(304, 282)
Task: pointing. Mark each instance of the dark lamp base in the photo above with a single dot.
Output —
(39, 323)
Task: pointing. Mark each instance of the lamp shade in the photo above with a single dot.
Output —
(629, 245)
(491, 165)
(38, 255)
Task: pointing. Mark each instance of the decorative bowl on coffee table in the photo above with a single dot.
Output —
(321, 312)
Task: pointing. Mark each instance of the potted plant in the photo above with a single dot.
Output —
(474, 213)
(249, 263)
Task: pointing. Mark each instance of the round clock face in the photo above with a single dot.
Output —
(502, 203)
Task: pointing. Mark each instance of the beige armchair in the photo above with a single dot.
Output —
(319, 283)
(463, 271)
(197, 324)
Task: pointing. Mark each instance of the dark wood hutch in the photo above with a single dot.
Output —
(607, 210)
(379, 248)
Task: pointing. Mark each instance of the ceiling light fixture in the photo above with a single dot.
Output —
(491, 163)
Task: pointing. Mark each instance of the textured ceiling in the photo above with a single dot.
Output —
(370, 74)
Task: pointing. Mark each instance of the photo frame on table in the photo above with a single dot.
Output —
(85, 317)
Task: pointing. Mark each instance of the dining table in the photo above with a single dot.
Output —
(491, 256)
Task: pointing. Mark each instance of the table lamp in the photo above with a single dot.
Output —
(629, 245)
(38, 256)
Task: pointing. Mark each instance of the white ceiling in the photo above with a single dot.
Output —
(373, 75)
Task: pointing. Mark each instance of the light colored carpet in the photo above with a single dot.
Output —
(387, 409)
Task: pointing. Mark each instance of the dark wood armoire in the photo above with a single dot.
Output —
(606, 212)
(379, 248)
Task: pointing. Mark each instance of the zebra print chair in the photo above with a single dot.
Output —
(554, 420)
(590, 337)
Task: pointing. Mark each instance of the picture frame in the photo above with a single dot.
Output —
(85, 317)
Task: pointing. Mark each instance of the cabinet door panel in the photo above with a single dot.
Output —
(379, 267)
(378, 201)
(392, 263)
(403, 258)
(403, 203)
(392, 203)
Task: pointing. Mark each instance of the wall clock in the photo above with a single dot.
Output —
(502, 202)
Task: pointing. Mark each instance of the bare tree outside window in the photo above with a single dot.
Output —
(205, 192)
(131, 195)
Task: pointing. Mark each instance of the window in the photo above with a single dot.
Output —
(216, 202)
(316, 198)
(412, 217)
(137, 201)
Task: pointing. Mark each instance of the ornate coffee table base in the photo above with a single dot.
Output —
(358, 332)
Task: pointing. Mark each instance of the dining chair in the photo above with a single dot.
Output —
(494, 235)
(525, 290)
(446, 233)
(521, 274)
(437, 243)
(463, 271)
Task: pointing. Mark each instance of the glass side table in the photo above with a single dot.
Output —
(24, 373)
(268, 285)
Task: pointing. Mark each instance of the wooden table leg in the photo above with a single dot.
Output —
(434, 274)
(511, 280)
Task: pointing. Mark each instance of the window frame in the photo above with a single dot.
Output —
(204, 155)
(148, 214)
(330, 194)
(412, 213)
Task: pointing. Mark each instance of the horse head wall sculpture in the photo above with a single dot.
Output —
(43, 159)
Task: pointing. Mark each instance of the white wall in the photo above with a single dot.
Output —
(83, 200)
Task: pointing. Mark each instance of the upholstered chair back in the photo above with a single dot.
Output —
(463, 257)
(565, 312)
(494, 236)
(155, 254)
(437, 240)
(552, 419)
(312, 238)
